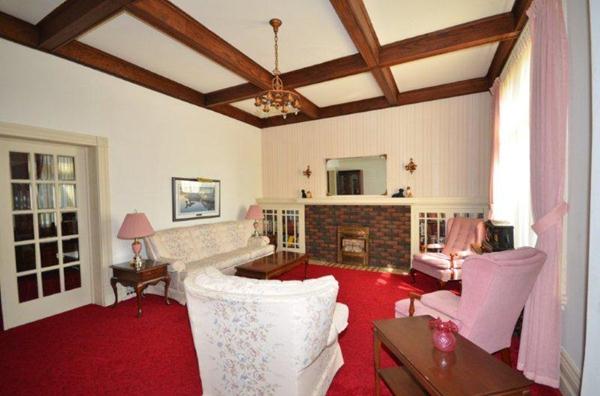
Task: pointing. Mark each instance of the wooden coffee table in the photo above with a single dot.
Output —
(271, 266)
(468, 370)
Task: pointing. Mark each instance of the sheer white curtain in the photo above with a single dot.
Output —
(511, 190)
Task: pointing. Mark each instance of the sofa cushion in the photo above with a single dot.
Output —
(231, 258)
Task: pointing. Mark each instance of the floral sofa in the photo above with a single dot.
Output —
(222, 246)
(265, 337)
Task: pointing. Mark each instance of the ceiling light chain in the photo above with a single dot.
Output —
(281, 99)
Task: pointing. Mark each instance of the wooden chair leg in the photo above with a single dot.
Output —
(442, 284)
(505, 356)
(413, 296)
(413, 278)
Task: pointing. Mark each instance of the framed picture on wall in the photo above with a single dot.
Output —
(195, 198)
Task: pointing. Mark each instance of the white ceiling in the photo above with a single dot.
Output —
(134, 41)
(395, 20)
(311, 32)
(342, 90)
(31, 11)
(442, 69)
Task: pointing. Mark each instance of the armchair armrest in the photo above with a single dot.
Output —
(413, 296)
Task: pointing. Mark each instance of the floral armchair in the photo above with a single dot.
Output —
(265, 337)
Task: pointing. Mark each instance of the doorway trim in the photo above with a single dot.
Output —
(99, 195)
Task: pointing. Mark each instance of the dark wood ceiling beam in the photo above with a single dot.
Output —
(18, 31)
(169, 19)
(73, 18)
(483, 31)
(458, 88)
(519, 12)
(24, 33)
(166, 17)
(96, 59)
(356, 20)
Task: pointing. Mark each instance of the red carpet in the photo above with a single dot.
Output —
(95, 350)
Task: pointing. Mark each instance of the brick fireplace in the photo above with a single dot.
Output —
(389, 231)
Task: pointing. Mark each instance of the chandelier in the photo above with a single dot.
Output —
(277, 97)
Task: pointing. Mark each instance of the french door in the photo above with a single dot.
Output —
(44, 230)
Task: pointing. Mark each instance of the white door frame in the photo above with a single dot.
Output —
(99, 195)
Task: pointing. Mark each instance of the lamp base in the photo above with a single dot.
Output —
(256, 234)
(136, 261)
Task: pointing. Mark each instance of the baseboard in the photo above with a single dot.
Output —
(570, 375)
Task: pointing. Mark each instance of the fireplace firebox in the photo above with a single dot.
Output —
(353, 245)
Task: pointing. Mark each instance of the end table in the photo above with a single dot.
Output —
(150, 273)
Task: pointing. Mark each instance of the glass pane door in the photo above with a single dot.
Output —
(47, 258)
(43, 212)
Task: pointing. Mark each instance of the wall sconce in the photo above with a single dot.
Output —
(411, 166)
(307, 172)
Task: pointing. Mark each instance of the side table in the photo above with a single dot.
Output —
(150, 273)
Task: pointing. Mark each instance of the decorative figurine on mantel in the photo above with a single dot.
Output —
(399, 194)
(303, 193)
(308, 194)
(409, 193)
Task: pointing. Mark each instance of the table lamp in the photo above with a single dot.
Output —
(255, 213)
(135, 226)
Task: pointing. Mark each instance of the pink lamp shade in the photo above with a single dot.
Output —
(135, 225)
(254, 213)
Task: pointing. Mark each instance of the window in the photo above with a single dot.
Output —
(512, 194)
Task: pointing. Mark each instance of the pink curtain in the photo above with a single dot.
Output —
(539, 355)
(495, 91)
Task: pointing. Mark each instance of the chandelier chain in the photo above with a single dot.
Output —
(276, 70)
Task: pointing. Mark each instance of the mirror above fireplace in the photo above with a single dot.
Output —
(357, 175)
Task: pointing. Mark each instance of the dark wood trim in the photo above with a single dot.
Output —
(73, 18)
(356, 20)
(519, 12)
(483, 31)
(443, 91)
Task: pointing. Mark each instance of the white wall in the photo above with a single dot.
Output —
(152, 137)
(591, 367)
(449, 140)
(573, 320)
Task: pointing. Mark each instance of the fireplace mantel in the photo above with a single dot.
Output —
(378, 200)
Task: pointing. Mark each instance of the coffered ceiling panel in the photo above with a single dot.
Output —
(31, 11)
(248, 107)
(342, 90)
(395, 20)
(311, 31)
(132, 40)
(454, 66)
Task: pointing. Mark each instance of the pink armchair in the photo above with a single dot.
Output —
(495, 289)
(446, 266)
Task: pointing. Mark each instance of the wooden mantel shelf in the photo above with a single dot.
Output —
(377, 200)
